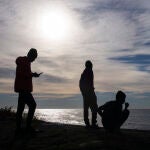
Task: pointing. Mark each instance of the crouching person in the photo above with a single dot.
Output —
(112, 113)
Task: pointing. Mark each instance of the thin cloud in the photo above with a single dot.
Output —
(108, 32)
(7, 73)
(54, 79)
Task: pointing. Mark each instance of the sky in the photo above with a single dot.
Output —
(113, 34)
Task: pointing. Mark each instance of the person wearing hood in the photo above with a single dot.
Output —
(23, 86)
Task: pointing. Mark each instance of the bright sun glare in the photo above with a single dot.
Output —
(55, 25)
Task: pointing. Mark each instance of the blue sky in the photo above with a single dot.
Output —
(113, 34)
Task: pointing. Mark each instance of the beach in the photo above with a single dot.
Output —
(54, 136)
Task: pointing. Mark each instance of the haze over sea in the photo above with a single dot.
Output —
(138, 119)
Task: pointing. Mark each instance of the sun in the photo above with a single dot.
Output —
(55, 25)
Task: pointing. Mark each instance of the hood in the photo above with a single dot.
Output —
(22, 60)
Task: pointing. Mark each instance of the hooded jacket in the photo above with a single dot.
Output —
(23, 80)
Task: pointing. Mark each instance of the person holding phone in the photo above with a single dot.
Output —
(23, 86)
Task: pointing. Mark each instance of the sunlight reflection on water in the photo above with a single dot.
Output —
(66, 116)
(138, 119)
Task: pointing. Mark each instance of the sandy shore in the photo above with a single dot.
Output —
(55, 136)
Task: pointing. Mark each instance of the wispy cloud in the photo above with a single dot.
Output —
(7, 73)
(114, 34)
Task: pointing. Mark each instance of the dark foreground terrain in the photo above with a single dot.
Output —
(55, 136)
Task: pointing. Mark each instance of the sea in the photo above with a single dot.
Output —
(138, 119)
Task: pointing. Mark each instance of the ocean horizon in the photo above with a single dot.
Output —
(138, 119)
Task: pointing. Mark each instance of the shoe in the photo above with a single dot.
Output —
(19, 132)
(87, 126)
(31, 130)
(95, 126)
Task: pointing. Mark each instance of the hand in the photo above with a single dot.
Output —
(126, 105)
(36, 74)
(40, 73)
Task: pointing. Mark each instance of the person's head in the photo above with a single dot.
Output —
(88, 64)
(32, 54)
(120, 97)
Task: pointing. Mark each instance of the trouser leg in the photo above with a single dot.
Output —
(32, 106)
(99, 111)
(125, 115)
(115, 124)
(94, 114)
(108, 124)
(94, 108)
(20, 109)
(86, 113)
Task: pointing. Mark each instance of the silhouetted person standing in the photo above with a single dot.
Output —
(112, 113)
(86, 85)
(23, 86)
